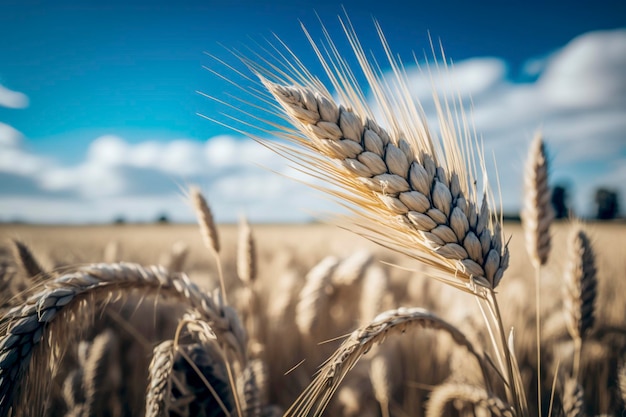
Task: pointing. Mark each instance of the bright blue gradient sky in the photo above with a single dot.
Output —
(85, 85)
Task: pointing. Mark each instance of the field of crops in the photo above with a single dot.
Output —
(313, 285)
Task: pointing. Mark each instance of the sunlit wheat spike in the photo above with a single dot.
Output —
(102, 375)
(408, 198)
(25, 324)
(254, 379)
(466, 399)
(205, 220)
(573, 399)
(580, 284)
(314, 296)
(381, 376)
(159, 379)
(246, 253)
(351, 270)
(25, 258)
(175, 259)
(315, 398)
(537, 213)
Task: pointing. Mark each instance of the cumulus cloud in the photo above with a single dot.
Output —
(577, 98)
(141, 181)
(12, 99)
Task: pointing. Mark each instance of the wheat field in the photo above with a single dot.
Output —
(461, 314)
(408, 367)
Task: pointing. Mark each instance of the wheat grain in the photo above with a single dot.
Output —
(537, 211)
(25, 325)
(467, 399)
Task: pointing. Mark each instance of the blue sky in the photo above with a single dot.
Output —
(99, 103)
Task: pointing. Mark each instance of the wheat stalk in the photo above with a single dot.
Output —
(466, 398)
(537, 216)
(25, 325)
(316, 396)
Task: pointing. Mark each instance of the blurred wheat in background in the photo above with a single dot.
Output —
(443, 310)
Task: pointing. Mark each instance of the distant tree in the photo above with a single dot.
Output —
(560, 201)
(607, 204)
(163, 219)
(119, 220)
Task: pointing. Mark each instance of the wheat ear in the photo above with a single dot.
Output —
(316, 396)
(537, 211)
(537, 216)
(465, 398)
(621, 381)
(26, 324)
(580, 290)
(101, 372)
(246, 253)
(159, 379)
(208, 230)
(382, 381)
(573, 399)
(415, 204)
(25, 258)
(314, 296)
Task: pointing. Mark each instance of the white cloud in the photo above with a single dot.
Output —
(141, 181)
(12, 99)
(578, 101)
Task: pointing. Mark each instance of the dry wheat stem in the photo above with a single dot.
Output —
(465, 397)
(316, 396)
(25, 325)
